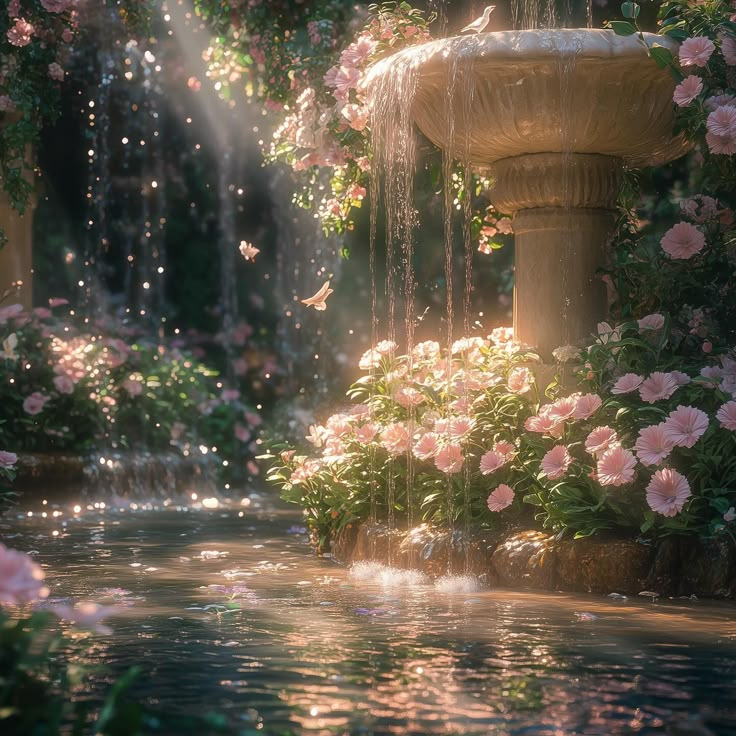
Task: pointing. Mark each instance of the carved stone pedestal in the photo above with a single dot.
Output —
(563, 216)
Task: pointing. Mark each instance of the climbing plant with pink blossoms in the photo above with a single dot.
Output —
(687, 268)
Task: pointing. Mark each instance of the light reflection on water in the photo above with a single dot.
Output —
(311, 649)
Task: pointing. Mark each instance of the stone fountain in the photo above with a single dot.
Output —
(555, 116)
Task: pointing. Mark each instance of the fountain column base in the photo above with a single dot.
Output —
(563, 215)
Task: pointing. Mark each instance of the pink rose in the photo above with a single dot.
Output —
(7, 459)
(21, 579)
(34, 403)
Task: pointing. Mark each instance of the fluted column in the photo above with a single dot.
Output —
(563, 214)
(16, 256)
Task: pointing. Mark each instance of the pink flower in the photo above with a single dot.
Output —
(87, 615)
(682, 241)
(657, 387)
(730, 515)
(6, 104)
(491, 461)
(56, 6)
(722, 121)
(7, 459)
(519, 380)
(13, 8)
(64, 384)
(253, 419)
(133, 387)
(461, 427)
(229, 395)
(34, 403)
(682, 378)
(685, 425)
(563, 409)
(696, 51)
(242, 433)
(449, 459)
(728, 49)
(21, 579)
(651, 322)
(616, 467)
(687, 90)
(500, 498)
(667, 492)
(67, 36)
(726, 415)
(653, 444)
(56, 72)
(408, 396)
(544, 424)
(358, 52)
(505, 449)
(344, 79)
(366, 433)
(627, 383)
(600, 440)
(20, 34)
(427, 446)
(556, 462)
(587, 405)
(721, 145)
(356, 116)
(395, 438)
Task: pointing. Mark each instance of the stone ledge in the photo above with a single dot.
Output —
(676, 566)
(58, 476)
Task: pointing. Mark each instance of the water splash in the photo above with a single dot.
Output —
(457, 584)
(386, 576)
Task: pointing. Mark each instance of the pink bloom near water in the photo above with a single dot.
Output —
(587, 405)
(449, 459)
(34, 403)
(722, 121)
(519, 380)
(667, 492)
(682, 241)
(728, 49)
(687, 90)
(616, 467)
(651, 322)
(64, 384)
(427, 446)
(556, 462)
(21, 579)
(657, 387)
(506, 449)
(627, 383)
(686, 425)
(395, 439)
(600, 440)
(366, 433)
(491, 461)
(653, 444)
(726, 415)
(88, 615)
(696, 51)
(501, 498)
(7, 459)
(21, 33)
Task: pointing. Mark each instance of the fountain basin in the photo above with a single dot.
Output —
(556, 116)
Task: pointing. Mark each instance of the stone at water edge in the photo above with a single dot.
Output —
(526, 560)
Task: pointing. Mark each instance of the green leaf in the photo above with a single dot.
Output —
(630, 10)
(661, 55)
(622, 27)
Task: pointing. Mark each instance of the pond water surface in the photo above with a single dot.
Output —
(311, 649)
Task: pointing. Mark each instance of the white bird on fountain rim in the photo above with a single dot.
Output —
(477, 26)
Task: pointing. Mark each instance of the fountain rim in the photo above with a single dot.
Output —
(533, 46)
